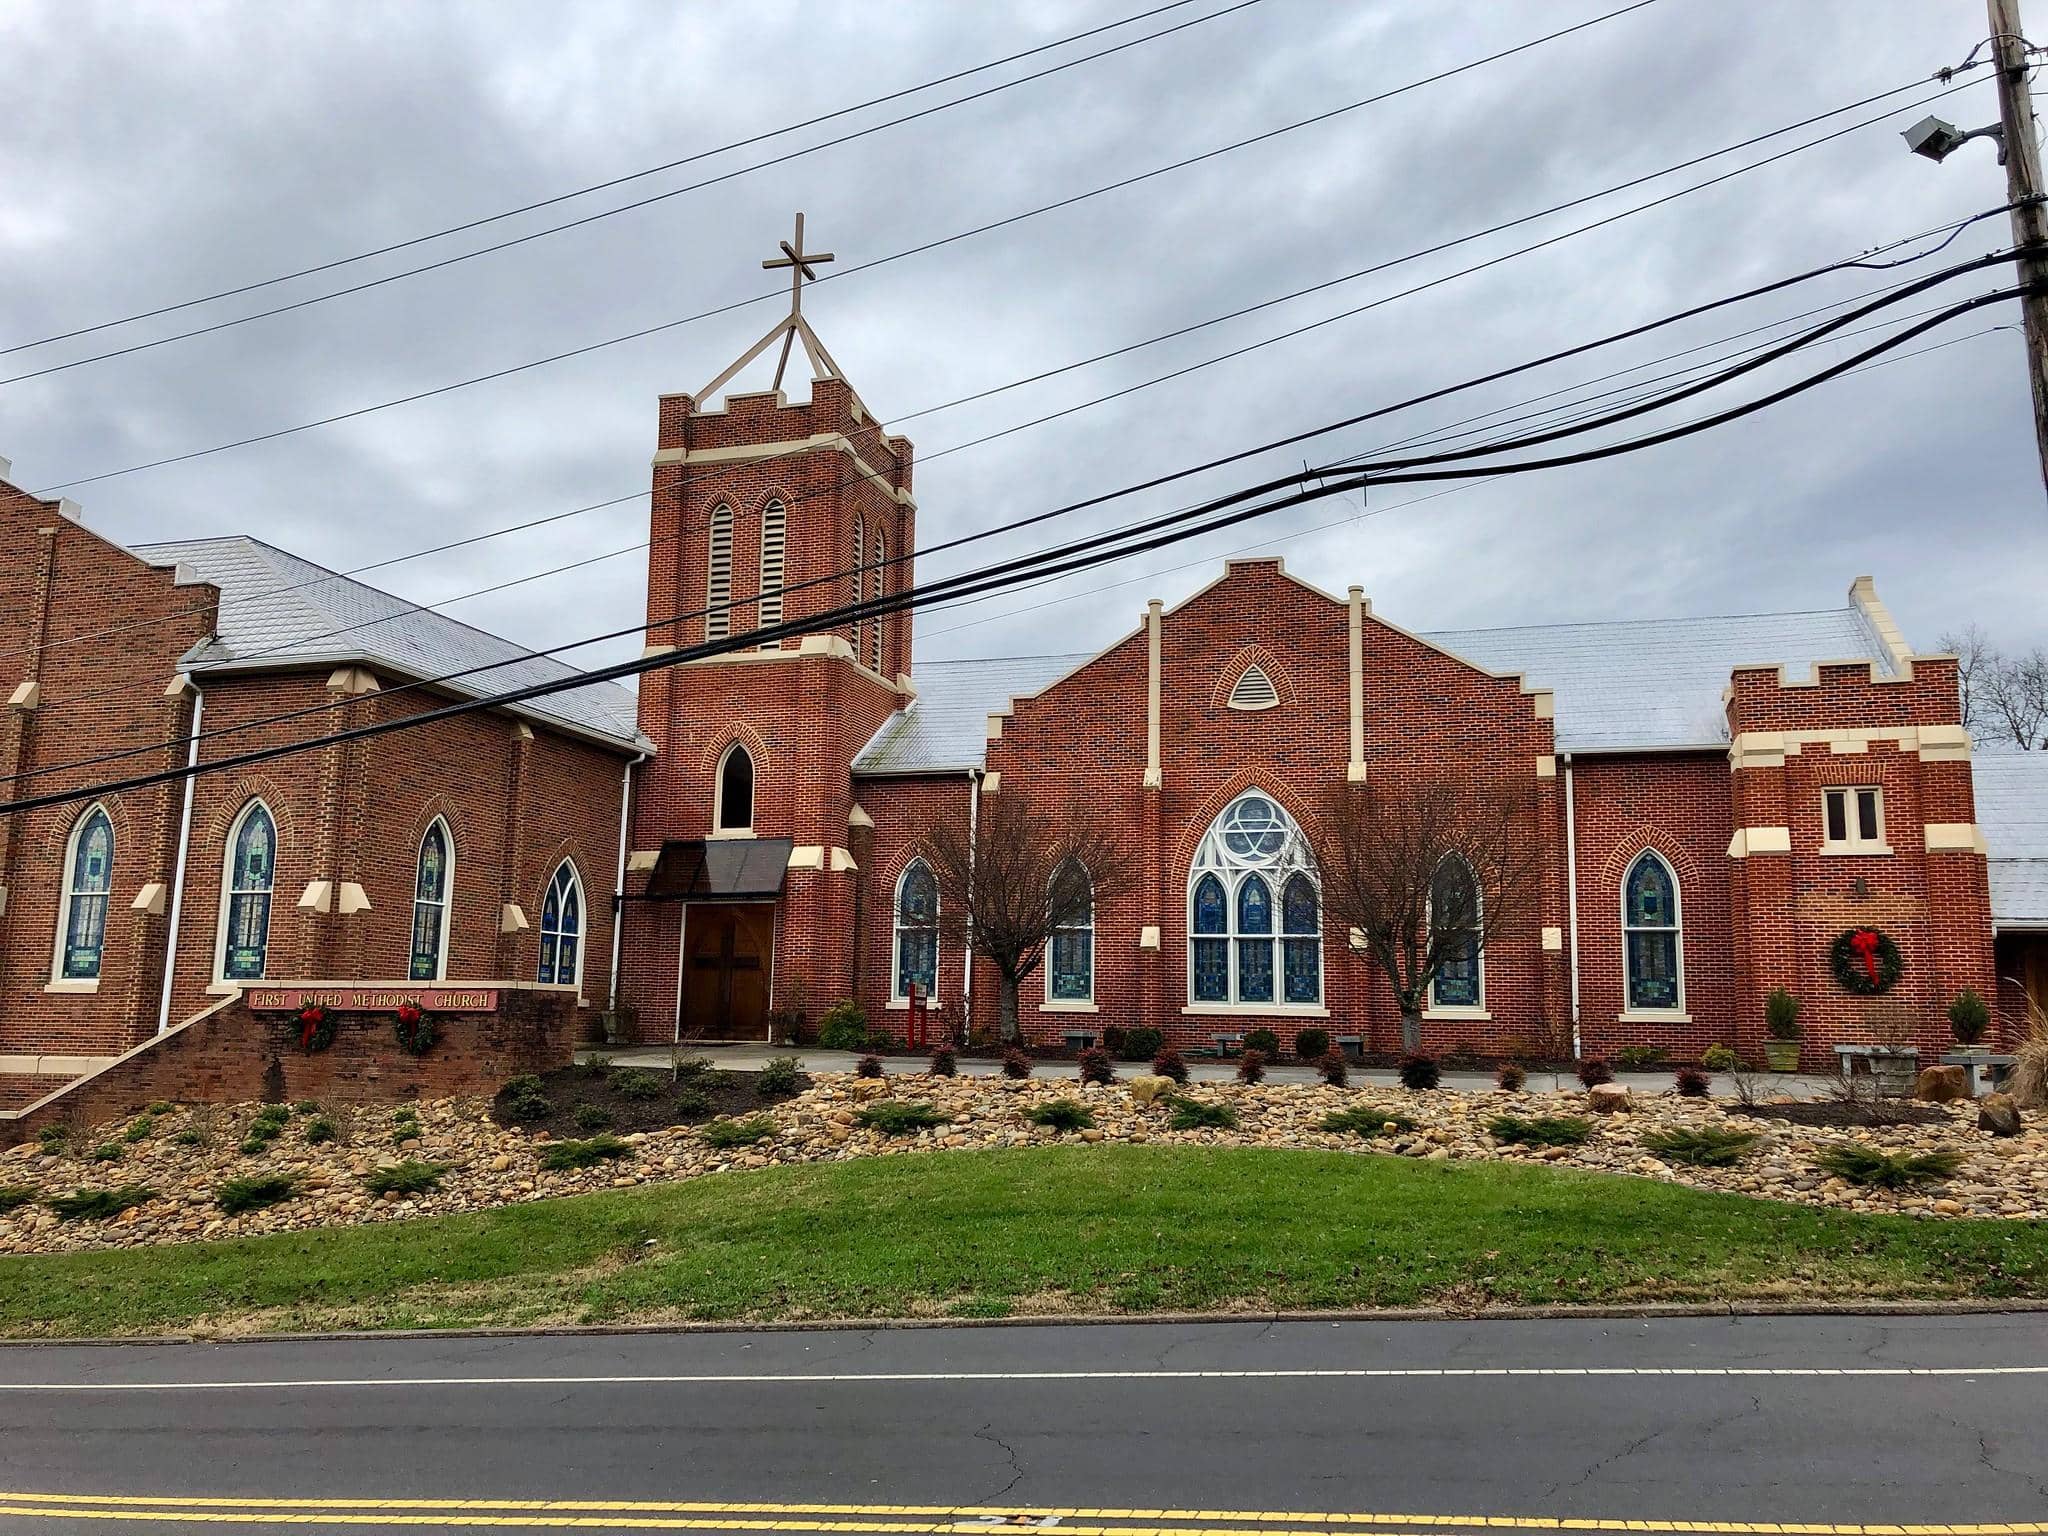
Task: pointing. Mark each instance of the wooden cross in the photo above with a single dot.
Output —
(800, 262)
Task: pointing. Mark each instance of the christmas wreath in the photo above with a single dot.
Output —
(316, 1029)
(416, 1034)
(1866, 961)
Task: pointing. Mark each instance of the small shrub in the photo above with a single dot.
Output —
(882, 1042)
(1113, 1040)
(899, 1117)
(1061, 1115)
(1335, 1070)
(1141, 1044)
(13, 1197)
(592, 1117)
(1509, 1078)
(254, 1145)
(691, 1100)
(1634, 1058)
(1542, 1131)
(1968, 1017)
(99, 1204)
(868, 1066)
(1691, 1083)
(523, 1101)
(844, 1027)
(783, 1075)
(1859, 1163)
(163, 1107)
(139, 1129)
(637, 1084)
(307, 1107)
(413, 1177)
(1095, 1066)
(562, 1155)
(319, 1129)
(739, 1133)
(1420, 1073)
(253, 1192)
(1781, 1014)
(1202, 1114)
(1718, 1058)
(1169, 1065)
(1363, 1120)
(596, 1064)
(53, 1137)
(1264, 1041)
(278, 1115)
(1310, 1044)
(1594, 1071)
(189, 1137)
(1707, 1146)
(108, 1153)
(944, 1063)
(689, 1069)
(1251, 1067)
(1016, 1064)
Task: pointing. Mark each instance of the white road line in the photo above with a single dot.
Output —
(866, 1377)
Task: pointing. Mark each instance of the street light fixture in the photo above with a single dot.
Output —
(1937, 139)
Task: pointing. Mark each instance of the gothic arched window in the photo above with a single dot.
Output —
(430, 903)
(1070, 968)
(915, 931)
(249, 871)
(88, 877)
(561, 928)
(1652, 938)
(1454, 911)
(735, 790)
(1245, 943)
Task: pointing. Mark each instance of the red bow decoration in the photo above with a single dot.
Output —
(1864, 942)
(408, 1014)
(310, 1019)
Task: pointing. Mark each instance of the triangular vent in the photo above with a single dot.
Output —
(1254, 690)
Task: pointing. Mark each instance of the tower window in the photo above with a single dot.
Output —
(1855, 820)
(773, 536)
(735, 791)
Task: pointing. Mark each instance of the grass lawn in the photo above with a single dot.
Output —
(978, 1234)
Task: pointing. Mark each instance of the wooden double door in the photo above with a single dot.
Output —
(728, 967)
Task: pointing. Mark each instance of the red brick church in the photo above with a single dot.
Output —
(1719, 798)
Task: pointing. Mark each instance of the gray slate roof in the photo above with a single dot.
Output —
(278, 610)
(2012, 813)
(1633, 684)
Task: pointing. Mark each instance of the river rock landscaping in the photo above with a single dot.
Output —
(179, 1173)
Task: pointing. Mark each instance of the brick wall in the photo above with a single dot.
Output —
(231, 1054)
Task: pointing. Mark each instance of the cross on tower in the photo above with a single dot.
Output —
(800, 262)
(792, 327)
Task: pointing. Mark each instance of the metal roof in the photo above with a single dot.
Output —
(278, 610)
(1642, 685)
(2012, 813)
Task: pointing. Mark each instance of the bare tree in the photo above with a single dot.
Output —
(1422, 870)
(2016, 698)
(1018, 874)
(1976, 658)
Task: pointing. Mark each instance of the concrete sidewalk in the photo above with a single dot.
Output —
(751, 1057)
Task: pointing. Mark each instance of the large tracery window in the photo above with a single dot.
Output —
(916, 935)
(1651, 936)
(561, 928)
(1254, 915)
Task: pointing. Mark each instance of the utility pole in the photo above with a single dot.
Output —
(2023, 190)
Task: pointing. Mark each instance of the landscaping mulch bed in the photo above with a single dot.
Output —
(1847, 1114)
(638, 1099)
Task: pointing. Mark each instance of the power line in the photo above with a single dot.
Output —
(868, 266)
(1897, 292)
(1417, 468)
(601, 186)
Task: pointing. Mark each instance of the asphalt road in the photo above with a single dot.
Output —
(1101, 1431)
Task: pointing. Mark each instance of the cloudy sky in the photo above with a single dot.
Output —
(154, 153)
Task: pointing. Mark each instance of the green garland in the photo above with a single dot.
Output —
(416, 1032)
(1853, 957)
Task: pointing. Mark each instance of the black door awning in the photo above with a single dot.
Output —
(720, 869)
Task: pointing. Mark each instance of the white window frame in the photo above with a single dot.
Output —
(898, 998)
(1476, 1010)
(1085, 1004)
(227, 895)
(718, 826)
(446, 903)
(1629, 1010)
(582, 930)
(1215, 856)
(1853, 842)
(69, 894)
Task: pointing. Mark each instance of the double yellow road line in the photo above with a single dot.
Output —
(876, 1519)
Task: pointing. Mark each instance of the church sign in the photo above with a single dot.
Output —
(372, 999)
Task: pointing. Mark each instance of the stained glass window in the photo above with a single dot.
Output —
(1301, 951)
(88, 876)
(1254, 906)
(917, 929)
(251, 871)
(1254, 828)
(1649, 910)
(1454, 913)
(1240, 949)
(1209, 905)
(1070, 971)
(561, 928)
(430, 904)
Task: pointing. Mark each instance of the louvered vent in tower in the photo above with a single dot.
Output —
(773, 533)
(718, 587)
(1254, 690)
(860, 582)
(881, 586)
